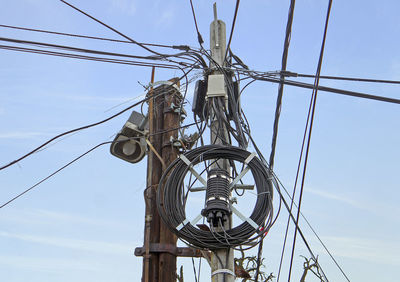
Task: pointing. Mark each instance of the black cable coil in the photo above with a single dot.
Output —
(171, 200)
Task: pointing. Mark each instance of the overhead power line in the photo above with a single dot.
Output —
(54, 173)
(232, 29)
(86, 126)
(329, 89)
(288, 35)
(293, 74)
(111, 28)
(89, 58)
(76, 49)
(85, 36)
(199, 37)
(78, 158)
(312, 111)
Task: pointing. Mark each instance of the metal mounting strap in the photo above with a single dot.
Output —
(223, 271)
(192, 222)
(243, 172)
(242, 217)
(249, 158)
(189, 164)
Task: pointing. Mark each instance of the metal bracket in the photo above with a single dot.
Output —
(244, 171)
(189, 164)
(244, 218)
(192, 222)
(169, 248)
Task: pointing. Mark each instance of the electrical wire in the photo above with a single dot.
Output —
(278, 108)
(82, 50)
(280, 89)
(84, 127)
(121, 34)
(325, 88)
(54, 173)
(314, 100)
(312, 230)
(358, 79)
(199, 37)
(111, 28)
(89, 58)
(87, 36)
(232, 28)
(82, 155)
(276, 182)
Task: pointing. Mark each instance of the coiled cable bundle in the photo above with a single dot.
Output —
(171, 199)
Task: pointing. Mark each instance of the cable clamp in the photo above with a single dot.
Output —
(223, 271)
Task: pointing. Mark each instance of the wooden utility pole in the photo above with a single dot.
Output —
(159, 251)
(171, 119)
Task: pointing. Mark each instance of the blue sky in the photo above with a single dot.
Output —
(84, 223)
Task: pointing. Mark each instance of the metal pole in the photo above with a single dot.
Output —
(222, 261)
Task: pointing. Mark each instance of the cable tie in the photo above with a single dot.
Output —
(184, 222)
(223, 271)
(181, 47)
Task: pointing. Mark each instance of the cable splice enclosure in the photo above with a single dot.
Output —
(217, 197)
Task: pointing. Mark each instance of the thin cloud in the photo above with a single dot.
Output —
(109, 248)
(22, 135)
(366, 249)
(47, 264)
(46, 217)
(339, 198)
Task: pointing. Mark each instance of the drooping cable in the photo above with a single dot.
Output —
(324, 88)
(86, 36)
(54, 173)
(199, 37)
(312, 230)
(85, 127)
(314, 98)
(278, 107)
(82, 50)
(88, 58)
(232, 28)
(82, 155)
(276, 183)
(111, 28)
(358, 79)
(280, 89)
